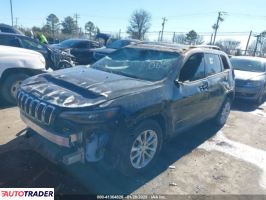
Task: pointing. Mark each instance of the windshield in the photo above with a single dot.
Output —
(143, 64)
(247, 65)
(68, 43)
(118, 44)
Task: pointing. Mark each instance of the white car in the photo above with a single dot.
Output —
(17, 64)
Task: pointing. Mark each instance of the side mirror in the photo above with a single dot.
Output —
(178, 83)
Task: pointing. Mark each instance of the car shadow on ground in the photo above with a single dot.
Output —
(245, 106)
(99, 181)
(21, 167)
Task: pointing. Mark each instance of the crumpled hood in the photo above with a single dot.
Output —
(82, 86)
(245, 75)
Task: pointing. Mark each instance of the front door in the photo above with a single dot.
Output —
(191, 93)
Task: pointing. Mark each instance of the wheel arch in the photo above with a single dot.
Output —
(10, 71)
(158, 117)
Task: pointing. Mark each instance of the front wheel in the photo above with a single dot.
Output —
(224, 112)
(142, 148)
(11, 86)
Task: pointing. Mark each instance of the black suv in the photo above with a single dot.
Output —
(123, 107)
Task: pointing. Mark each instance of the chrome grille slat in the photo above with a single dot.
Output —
(36, 109)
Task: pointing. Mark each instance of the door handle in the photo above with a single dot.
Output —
(204, 86)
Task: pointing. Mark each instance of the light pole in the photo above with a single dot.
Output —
(11, 9)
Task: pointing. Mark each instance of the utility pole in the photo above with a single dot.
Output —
(256, 46)
(248, 42)
(16, 22)
(211, 38)
(119, 34)
(174, 38)
(159, 36)
(11, 9)
(216, 26)
(163, 24)
(76, 16)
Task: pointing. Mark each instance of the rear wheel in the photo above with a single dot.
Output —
(142, 148)
(11, 86)
(224, 112)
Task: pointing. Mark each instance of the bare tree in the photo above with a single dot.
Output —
(228, 45)
(180, 39)
(139, 24)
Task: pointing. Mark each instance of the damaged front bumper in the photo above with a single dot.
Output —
(66, 148)
(52, 136)
(54, 147)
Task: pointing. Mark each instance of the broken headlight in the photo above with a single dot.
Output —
(95, 116)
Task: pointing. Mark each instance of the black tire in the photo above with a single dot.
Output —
(125, 163)
(223, 114)
(9, 89)
(261, 98)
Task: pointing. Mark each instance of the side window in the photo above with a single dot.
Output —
(225, 62)
(9, 41)
(213, 64)
(6, 30)
(194, 68)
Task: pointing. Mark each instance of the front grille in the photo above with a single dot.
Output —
(36, 109)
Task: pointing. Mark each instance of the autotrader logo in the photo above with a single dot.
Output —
(27, 193)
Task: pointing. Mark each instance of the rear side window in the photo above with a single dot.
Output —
(9, 41)
(213, 64)
(225, 62)
(194, 68)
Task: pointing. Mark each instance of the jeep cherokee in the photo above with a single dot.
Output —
(122, 108)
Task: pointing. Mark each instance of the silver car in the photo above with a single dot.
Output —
(250, 77)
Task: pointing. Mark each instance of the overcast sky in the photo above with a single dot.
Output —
(112, 15)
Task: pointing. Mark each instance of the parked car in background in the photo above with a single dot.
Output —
(250, 77)
(123, 107)
(80, 48)
(4, 28)
(111, 47)
(55, 59)
(17, 64)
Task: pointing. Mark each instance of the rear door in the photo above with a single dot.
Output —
(218, 79)
(191, 94)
